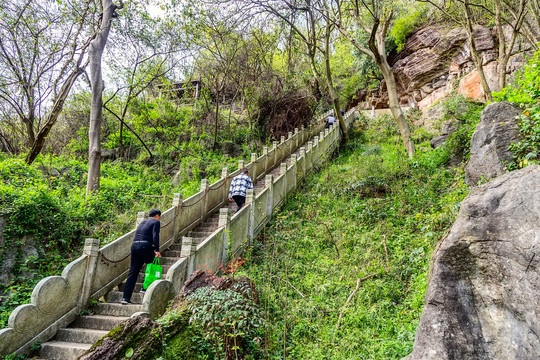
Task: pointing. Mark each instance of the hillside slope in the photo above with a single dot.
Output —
(343, 270)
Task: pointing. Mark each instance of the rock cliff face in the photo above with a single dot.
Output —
(436, 60)
(483, 295)
(498, 128)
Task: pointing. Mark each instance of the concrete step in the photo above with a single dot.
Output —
(200, 234)
(78, 335)
(207, 228)
(172, 253)
(166, 260)
(98, 322)
(62, 350)
(116, 297)
(175, 247)
(115, 309)
(138, 284)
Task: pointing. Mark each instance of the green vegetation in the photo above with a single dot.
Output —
(525, 92)
(48, 215)
(343, 270)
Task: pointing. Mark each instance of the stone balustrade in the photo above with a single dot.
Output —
(56, 300)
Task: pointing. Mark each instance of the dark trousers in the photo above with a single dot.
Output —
(239, 200)
(141, 253)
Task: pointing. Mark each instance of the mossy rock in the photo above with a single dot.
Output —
(143, 338)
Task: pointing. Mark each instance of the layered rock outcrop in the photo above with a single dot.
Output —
(436, 60)
(483, 294)
(490, 142)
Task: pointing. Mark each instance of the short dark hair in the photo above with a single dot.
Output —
(245, 171)
(154, 212)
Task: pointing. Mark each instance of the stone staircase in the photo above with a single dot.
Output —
(71, 342)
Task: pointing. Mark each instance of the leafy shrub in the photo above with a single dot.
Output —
(229, 319)
(525, 87)
(525, 91)
(527, 151)
(405, 25)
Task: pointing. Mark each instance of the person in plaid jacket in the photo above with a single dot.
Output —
(239, 186)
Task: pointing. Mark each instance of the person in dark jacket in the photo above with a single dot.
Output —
(143, 250)
(238, 189)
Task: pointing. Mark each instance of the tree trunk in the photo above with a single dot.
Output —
(506, 51)
(395, 108)
(216, 124)
(474, 53)
(58, 104)
(331, 89)
(97, 47)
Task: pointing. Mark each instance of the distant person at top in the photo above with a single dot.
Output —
(238, 189)
(329, 121)
(145, 246)
(342, 112)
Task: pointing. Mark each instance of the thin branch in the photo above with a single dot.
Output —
(291, 285)
(358, 282)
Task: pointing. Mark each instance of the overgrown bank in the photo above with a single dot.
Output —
(343, 270)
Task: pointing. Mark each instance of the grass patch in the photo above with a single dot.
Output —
(370, 216)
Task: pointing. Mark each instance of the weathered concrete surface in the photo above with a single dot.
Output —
(483, 294)
(498, 128)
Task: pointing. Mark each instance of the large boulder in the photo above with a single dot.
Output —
(483, 294)
(498, 128)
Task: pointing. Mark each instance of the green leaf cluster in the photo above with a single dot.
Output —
(525, 92)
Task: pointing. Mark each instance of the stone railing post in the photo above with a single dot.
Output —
(274, 147)
(253, 167)
(224, 223)
(294, 166)
(240, 164)
(302, 162)
(290, 142)
(315, 151)
(178, 201)
(265, 153)
(205, 185)
(309, 159)
(251, 222)
(225, 187)
(283, 168)
(296, 136)
(269, 183)
(188, 251)
(302, 134)
(91, 251)
(141, 215)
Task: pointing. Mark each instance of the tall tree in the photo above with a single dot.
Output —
(506, 50)
(42, 50)
(311, 28)
(139, 60)
(374, 18)
(466, 13)
(97, 46)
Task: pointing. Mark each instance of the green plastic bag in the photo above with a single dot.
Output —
(153, 272)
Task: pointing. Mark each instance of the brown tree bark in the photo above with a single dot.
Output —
(331, 89)
(377, 51)
(477, 59)
(58, 104)
(97, 46)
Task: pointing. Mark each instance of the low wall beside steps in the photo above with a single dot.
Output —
(56, 300)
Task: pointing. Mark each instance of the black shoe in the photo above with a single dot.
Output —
(143, 291)
(125, 302)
